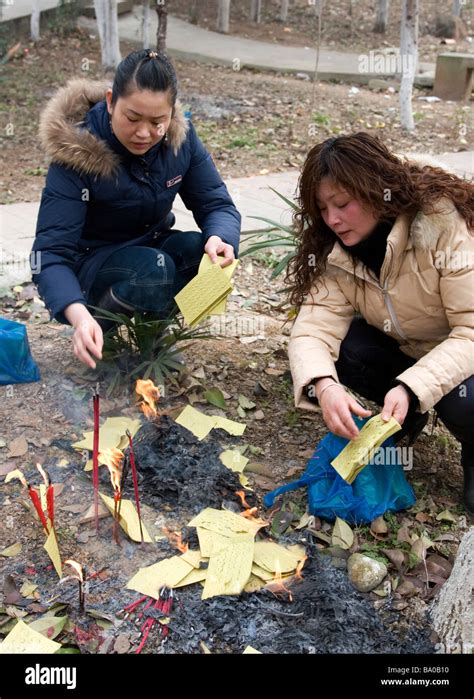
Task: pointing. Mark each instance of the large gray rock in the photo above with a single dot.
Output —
(365, 573)
(452, 612)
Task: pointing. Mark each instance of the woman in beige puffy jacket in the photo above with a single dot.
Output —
(383, 278)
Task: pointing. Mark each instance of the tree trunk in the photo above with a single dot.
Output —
(457, 8)
(162, 12)
(381, 18)
(35, 21)
(409, 59)
(223, 16)
(284, 10)
(194, 11)
(256, 11)
(145, 27)
(452, 612)
(107, 24)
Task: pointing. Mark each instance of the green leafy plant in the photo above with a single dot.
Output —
(144, 347)
(275, 236)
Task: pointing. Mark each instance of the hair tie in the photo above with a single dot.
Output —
(152, 54)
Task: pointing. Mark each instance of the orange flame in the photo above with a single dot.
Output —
(278, 587)
(241, 495)
(77, 567)
(250, 513)
(150, 394)
(113, 459)
(175, 539)
(299, 568)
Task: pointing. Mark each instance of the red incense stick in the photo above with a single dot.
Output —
(37, 503)
(135, 480)
(95, 456)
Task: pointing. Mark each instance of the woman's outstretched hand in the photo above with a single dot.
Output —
(396, 404)
(87, 339)
(338, 406)
(219, 251)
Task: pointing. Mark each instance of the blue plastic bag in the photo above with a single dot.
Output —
(16, 362)
(377, 489)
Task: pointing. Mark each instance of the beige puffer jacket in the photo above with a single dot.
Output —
(424, 299)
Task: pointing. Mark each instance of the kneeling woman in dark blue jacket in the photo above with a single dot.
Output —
(119, 158)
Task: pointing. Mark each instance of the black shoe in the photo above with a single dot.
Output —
(109, 302)
(468, 490)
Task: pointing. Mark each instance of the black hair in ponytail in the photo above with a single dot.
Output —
(145, 70)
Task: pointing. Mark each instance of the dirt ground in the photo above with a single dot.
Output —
(40, 420)
(250, 122)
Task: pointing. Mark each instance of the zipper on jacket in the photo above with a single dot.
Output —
(386, 298)
(391, 311)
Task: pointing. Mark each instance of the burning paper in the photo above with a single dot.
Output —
(112, 435)
(128, 518)
(150, 394)
(225, 522)
(204, 293)
(357, 454)
(275, 558)
(22, 639)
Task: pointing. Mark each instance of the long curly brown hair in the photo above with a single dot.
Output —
(386, 184)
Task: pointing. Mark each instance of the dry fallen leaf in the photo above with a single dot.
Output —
(18, 447)
(396, 556)
(122, 643)
(446, 516)
(342, 534)
(379, 526)
(403, 536)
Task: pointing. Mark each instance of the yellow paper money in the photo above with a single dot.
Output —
(195, 421)
(52, 549)
(151, 579)
(357, 454)
(225, 522)
(128, 520)
(203, 293)
(201, 424)
(230, 568)
(204, 266)
(22, 639)
(233, 459)
(275, 558)
(111, 435)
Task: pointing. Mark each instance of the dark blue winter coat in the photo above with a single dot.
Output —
(99, 197)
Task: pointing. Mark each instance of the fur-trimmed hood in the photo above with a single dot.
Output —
(67, 141)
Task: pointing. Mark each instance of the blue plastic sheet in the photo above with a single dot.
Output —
(377, 489)
(16, 362)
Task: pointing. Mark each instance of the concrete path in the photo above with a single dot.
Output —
(14, 9)
(188, 41)
(252, 196)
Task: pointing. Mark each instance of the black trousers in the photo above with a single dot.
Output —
(369, 361)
